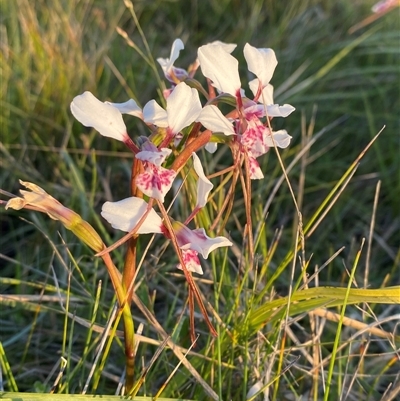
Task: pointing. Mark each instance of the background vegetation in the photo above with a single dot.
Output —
(345, 88)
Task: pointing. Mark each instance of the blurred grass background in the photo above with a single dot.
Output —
(52, 51)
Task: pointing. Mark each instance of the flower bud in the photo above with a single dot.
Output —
(41, 201)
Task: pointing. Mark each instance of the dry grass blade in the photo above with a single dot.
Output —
(354, 323)
(180, 355)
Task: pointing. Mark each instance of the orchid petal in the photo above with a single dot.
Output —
(156, 181)
(211, 147)
(255, 170)
(275, 110)
(126, 213)
(156, 156)
(219, 66)
(261, 62)
(129, 107)
(267, 95)
(213, 119)
(106, 119)
(198, 240)
(255, 109)
(204, 185)
(191, 261)
(183, 107)
(167, 63)
(228, 47)
(281, 139)
(254, 137)
(153, 113)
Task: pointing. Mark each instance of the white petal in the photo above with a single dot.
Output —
(213, 119)
(106, 119)
(197, 240)
(156, 157)
(125, 214)
(129, 107)
(164, 63)
(228, 47)
(281, 139)
(267, 95)
(177, 46)
(204, 244)
(204, 185)
(183, 107)
(219, 66)
(153, 113)
(261, 62)
(274, 110)
(167, 63)
(253, 85)
(211, 147)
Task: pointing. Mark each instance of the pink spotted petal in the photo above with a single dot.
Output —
(191, 260)
(204, 185)
(156, 181)
(126, 213)
(219, 66)
(254, 137)
(183, 107)
(255, 170)
(106, 119)
(261, 62)
(153, 113)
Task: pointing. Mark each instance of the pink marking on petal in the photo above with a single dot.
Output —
(255, 170)
(254, 137)
(156, 181)
(253, 109)
(192, 262)
(151, 154)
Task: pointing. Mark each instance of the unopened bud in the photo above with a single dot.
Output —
(41, 201)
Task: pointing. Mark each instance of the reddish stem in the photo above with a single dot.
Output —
(191, 147)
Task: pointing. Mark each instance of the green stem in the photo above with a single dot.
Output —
(129, 327)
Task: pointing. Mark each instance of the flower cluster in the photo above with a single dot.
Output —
(182, 128)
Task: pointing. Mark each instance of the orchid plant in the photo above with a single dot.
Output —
(192, 120)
